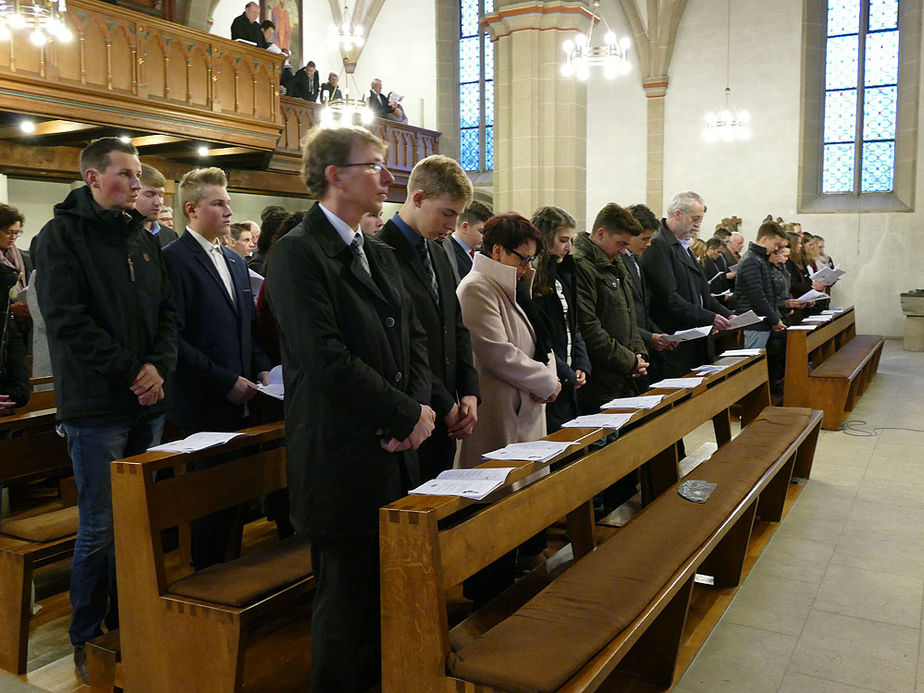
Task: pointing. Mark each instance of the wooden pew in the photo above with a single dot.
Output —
(427, 545)
(39, 399)
(33, 538)
(829, 367)
(191, 634)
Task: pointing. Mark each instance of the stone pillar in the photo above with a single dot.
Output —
(4, 189)
(540, 117)
(655, 90)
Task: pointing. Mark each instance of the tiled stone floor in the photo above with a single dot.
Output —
(835, 601)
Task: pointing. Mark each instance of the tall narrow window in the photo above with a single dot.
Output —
(861, 96)
(476, 88)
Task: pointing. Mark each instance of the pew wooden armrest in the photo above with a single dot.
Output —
(191, 633)
(829, 367)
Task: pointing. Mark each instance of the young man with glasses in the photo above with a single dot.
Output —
(357, 388)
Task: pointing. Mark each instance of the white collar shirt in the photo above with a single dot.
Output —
(213, 250)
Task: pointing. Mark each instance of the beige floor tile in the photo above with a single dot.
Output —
(869, 654)
(889, 454)
(793, 558)
(800, 683)
(886, 553)
(905, 437)
(736, 658)
(886, 519)
(772, 603)
(872, 595)
(899, 490)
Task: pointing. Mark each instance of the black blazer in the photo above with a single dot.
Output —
(714, 267)
(379, 104)
(680, 296)
(464, 261)
(216, 337)
(243, 28)
(641, 300)
(355, 367)
(449, 348)
(304, 87)
(165, 236)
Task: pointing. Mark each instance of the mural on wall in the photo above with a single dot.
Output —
(286, 15)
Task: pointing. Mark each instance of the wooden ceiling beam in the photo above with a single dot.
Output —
(45, 128)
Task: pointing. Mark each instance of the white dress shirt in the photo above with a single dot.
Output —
(213, 250)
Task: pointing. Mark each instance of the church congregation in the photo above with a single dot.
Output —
(395, 428)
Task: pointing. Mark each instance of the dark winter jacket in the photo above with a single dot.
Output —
(14, 370)
(754, 287)
(108, 309)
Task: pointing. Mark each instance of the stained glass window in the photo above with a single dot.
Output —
(861, 96)
(476, 88)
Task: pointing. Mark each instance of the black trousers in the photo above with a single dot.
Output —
(345, 624)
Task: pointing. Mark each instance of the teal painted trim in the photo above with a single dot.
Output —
(123, 111)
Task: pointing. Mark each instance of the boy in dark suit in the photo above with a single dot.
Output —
(219, 358)
(438, 191)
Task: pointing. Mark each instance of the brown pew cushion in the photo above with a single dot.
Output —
(843, 362)
(250, 578)
(553, 635)
(45, 527)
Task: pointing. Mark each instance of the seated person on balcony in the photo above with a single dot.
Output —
(246, 28)
(329, 90)
(381, 106)
(306, 84)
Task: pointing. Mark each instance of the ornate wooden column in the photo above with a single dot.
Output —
(540, 117)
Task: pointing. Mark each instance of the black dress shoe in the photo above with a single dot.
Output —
(80, 662)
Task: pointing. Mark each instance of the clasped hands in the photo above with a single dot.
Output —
(422, 430)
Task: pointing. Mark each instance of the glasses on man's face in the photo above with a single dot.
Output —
(11, 232)
(376, 166)
(525, 260)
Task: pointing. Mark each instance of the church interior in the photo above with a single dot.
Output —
(831, 596)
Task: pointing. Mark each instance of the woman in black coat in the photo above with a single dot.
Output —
(14, 370)
(553, 311)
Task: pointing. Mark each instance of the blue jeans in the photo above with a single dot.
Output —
(92, 446)
(756, 339)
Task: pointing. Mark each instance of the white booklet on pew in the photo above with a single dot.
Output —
(812, 295)
(687, 335)
(744, 319)
(828, 276)
(467, 483)
(643, 402)
(197, 441)
(710, 368)
(613, 421)
(833, 311)
(275, 389)
(806, 328)
(678, 383)
(818, 318)
(740, 352)
(532, 451)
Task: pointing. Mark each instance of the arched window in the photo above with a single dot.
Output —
(860, 95)
(476, 88)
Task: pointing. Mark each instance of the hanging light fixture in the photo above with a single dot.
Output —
(42, 19)
(581, 55)
(345, 110)
(727, 123)
(346, 35)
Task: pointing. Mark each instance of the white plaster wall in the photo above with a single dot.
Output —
(401, 50)
(883, 252)
(223, 14)
(316, 43)
(617, 112)
(36, 200)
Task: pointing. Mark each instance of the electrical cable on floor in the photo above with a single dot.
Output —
(852, 428)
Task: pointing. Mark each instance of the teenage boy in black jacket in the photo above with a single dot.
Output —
(106, 300)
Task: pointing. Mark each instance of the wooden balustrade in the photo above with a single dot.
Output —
(127, 69)
(406, 144)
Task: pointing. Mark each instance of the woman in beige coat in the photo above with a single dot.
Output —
(514, 385)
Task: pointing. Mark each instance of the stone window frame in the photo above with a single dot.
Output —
(809, 198)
